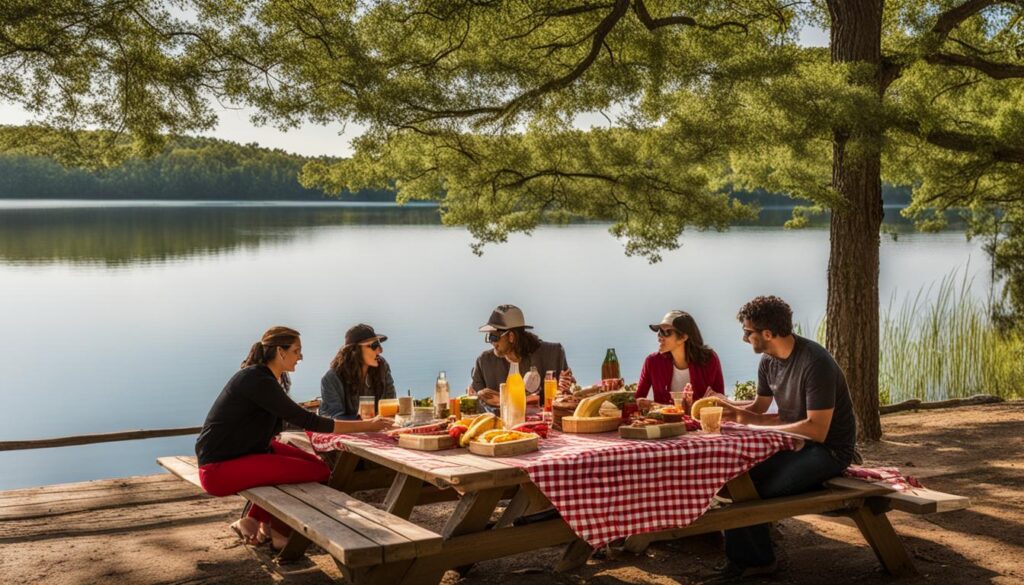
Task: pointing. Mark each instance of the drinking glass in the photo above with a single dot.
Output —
(367, 408)
(677, 398)
(711, 418)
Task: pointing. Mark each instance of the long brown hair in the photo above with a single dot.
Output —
(265, 350)
(526, 342)
(348, 366)
(696, 351)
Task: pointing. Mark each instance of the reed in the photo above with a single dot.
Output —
(941, 343)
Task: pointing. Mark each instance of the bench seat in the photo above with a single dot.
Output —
(916, 501)
(355, 533)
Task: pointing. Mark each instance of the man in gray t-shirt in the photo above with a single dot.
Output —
(506, 331)
(810, 390)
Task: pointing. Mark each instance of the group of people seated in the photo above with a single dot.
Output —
(237, 447)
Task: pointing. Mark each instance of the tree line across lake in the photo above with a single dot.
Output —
(200, 168)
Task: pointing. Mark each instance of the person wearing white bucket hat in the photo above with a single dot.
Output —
(511, 342)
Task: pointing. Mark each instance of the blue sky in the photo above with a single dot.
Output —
(313, 139)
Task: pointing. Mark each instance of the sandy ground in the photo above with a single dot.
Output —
(976, 451)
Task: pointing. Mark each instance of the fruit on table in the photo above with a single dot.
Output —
(695, 409)
(537, 428)
(482, 424)
(502, 436)
(456, 430)
(590, 407)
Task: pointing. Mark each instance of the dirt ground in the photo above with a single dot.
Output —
(976, 451)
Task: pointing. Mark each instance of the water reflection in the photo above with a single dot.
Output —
(114, 236)
(90, 233)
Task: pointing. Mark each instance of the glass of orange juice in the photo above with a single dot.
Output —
(388, 407)
(550, 389)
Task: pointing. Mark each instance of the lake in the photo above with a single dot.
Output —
(132, 315)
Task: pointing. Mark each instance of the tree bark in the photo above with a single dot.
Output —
(852, 314)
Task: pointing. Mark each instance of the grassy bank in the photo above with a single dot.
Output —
(941, 343)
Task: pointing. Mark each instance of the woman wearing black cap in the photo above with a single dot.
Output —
(356, 370)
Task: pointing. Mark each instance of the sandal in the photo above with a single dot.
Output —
(253, 540)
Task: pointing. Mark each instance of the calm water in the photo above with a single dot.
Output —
(132, 316)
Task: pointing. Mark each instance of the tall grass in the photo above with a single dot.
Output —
(942, 344)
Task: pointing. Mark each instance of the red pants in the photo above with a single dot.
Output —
(286, 464)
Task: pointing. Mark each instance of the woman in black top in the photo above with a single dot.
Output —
(357, 370)
(236, 448)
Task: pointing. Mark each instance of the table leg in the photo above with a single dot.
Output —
(344, 468)
(575, 556)
(471, 515)
(403, 495)
(741, 489)
(883, 539)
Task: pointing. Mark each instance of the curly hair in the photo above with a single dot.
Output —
(768, 313)
(526, 342)
(348, 365)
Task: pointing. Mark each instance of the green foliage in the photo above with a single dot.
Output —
(186, 168)
(745, 390)
(133, 68)
(942, 344)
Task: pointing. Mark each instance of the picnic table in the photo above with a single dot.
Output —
(605, 488)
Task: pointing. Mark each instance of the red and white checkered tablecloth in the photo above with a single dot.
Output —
(607, 487)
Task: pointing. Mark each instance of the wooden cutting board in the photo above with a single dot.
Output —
(509, 449)
(653, 431)
(590, 424)
(425, 442)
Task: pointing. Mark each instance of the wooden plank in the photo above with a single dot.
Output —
(184, 467)
(742, 489)
(96, 438)
(884, 541)
(760, 511)
(344, 468)
(516, 507)
(379, 525)
(916, 501)
(574, 556)
(491, 544)
(85, 488)
(53, 504)
(473, 512)
(403, 495)
(340, 541)
(462, 473)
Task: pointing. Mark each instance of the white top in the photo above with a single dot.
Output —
(680, 378)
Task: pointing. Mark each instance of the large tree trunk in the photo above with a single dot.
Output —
(852, 315)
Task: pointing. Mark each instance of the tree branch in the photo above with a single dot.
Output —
(953, 17)
(993, 69)
(655, 23)
(962, 142)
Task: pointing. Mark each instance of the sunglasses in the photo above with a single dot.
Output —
(666, 332)
(494, 336)
(374, 346)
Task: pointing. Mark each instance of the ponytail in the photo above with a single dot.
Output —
(266, 348)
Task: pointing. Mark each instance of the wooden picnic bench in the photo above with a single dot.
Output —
(360, 537)
(380, 546)
(864, 502)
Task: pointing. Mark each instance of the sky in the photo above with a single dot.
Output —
(334, 139)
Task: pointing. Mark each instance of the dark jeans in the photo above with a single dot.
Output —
(784, 474)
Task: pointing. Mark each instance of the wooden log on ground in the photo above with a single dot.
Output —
(915, 404)
(96, 438)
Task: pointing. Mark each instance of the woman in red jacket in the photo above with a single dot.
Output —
(681, 359)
